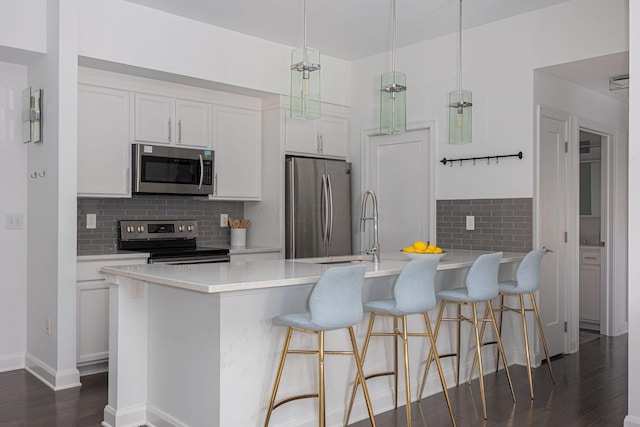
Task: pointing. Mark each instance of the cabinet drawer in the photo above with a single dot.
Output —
(590, 257)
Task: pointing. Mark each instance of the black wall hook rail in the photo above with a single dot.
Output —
(444, 160)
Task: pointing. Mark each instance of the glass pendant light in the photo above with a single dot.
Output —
(305, 79)
(393, 100)
(460, 103)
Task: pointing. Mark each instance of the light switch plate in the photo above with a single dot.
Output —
(224, 220)
(14, 221)
(471, 222)
(91, 221)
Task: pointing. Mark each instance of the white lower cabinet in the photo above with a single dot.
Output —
(590, 287)
(92, 299)
(237, 143)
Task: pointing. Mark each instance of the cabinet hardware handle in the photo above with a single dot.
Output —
(169, 126)
(179, 131)
(590, 257)
(215, 183)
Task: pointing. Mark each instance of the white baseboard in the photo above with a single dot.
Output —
(55, 380)
(158, 418)
(631, 421)
(93, 368)
(128, 417)
(11, 362)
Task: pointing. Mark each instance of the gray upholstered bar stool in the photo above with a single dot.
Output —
(527, 283)
(335, 303)
(413, 293)
(481, 287)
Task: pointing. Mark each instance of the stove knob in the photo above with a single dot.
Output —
(190, 228)
(140, 229)
(129, 229)
(181, 228)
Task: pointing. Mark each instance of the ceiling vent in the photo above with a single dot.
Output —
(619, 82)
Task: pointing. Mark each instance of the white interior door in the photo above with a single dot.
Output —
(554, 132)
(399, 173)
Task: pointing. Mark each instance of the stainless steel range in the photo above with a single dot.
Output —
(168, 242)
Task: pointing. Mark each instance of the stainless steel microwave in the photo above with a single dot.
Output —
(160, 169)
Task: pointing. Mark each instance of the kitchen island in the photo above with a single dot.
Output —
(193, 345)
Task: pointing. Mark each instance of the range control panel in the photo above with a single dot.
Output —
(158, 229)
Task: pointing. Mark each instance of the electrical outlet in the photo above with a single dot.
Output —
(471, 222)
(14, 221)
(137, 291)
(47, 326)
(91, 221)
(224, 220)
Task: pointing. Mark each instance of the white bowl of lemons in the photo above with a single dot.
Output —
(422, 250)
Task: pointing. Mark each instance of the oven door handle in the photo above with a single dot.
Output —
(201, 172)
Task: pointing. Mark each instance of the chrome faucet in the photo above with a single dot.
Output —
(375, 249)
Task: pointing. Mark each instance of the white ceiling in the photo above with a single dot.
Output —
(353, 29)
(347, 29)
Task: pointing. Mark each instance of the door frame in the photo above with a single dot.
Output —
(365, 142)
(608, 295)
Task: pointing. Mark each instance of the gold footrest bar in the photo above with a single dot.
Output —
(296, 397)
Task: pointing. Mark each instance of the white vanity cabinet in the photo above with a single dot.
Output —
(590, 287)
(326, 137)
(237, 143)
(165, 120)
(104, 150)
(92, 292)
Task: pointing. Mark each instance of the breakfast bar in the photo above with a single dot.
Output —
(193, 345)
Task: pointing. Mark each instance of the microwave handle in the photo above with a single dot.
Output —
(201, 171)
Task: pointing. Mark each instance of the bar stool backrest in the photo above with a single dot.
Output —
(336, 300)
(414, 289)
(528, 273)
(482, 278)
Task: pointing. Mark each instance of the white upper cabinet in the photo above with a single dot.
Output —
(166, 120)
(103, 142)
(237, 143)
(325, 137)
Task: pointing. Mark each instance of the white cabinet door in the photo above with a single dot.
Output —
(334, 136)
(302, 136)
(93, 321)
(193, 121)
(238, 153)
(104, 151)
(590, 293)
(153, 118)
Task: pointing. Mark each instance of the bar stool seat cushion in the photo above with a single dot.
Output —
(387, 306)
(511, 287)
(457, 295)
(300, 320)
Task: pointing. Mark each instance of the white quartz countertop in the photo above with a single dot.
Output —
(228, 277)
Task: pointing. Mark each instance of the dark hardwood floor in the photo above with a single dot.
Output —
(591, 391)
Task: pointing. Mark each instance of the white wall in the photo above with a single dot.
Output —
(126, 33)
(52, 212)
(13, 199)
(498, 59)
(633, 419)
(22, 30)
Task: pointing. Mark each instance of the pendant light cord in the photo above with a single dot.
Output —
(393, 41)
(460, 50)
(304, 8)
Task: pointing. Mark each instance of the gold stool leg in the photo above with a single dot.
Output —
(458, 344)
(526, 343)
(501, 349)
(357, 380)
(395, 360)
(475, 357)
(432, 349)
(407, 383)
(283, 357)
(439, 366)
(321, 411)
(500, 328)
(359, 362)
(479, 355)
(544, 341)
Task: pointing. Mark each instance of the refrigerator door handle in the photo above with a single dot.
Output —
(292, 211)
(330, 211)
(323, 209)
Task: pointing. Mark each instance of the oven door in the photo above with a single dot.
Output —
(172, 170)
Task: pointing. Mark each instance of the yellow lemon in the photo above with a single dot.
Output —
(419, 245)
(409, 249)
(438, 250)
(431, 248)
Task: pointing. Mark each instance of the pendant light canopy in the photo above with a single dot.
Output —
(460, 103)
(305, 79)
(393, 102)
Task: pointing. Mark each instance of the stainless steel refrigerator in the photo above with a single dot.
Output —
(318, 207)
